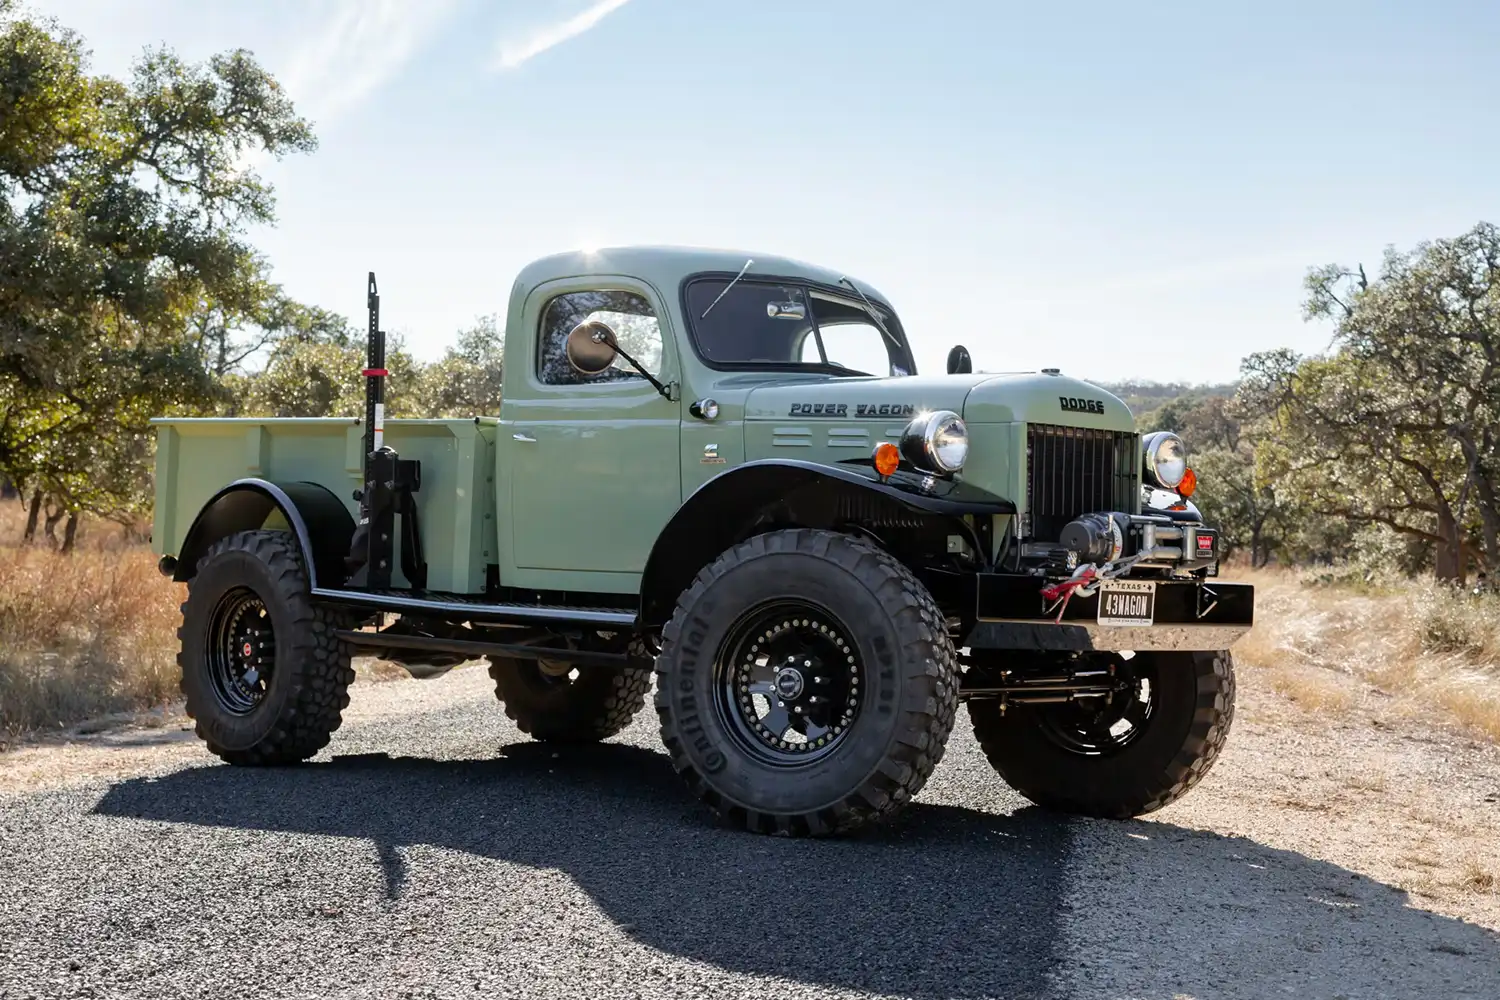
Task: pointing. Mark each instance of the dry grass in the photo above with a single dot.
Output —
(1329, 648)
(1313, 689)
(83, 635)
(93, 633)
(1476, 877)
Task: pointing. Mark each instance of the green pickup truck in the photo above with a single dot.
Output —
(723, 470)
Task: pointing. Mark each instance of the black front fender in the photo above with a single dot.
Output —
(717, 514)
(317, 518)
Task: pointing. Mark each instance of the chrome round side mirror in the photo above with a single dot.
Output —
(591, 347)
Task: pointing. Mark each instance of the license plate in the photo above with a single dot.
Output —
(1127, 602)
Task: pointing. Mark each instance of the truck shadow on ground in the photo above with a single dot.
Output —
(948, 902)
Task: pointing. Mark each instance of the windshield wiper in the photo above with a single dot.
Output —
(870, 308)
(727, 287)
(846, 370)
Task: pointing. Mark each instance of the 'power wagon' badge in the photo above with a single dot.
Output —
(860, 410)
(1071, 404)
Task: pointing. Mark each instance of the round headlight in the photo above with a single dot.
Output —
(937, 442)
(1166, 459)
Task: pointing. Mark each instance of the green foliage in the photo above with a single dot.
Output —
(122, 211)
(1400, 425)
(319, 376)
(1371, 559)
(1250, 515)
(1381, 457)
(306, 380)
(467, 380)
(235, 331)
(1206, 421)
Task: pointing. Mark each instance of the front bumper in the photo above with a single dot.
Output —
(1011, 613)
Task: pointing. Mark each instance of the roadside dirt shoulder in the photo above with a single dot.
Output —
(1401, 800)
(161, 742)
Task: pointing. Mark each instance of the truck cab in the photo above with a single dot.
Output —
(708, 382)
(719, 473)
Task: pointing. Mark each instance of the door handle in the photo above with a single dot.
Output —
(524, 437)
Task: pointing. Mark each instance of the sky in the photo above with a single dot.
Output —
(1116, 190)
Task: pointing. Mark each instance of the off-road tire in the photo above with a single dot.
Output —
(909, 700)
(1187, 730)
(596, 705)
(309, 688)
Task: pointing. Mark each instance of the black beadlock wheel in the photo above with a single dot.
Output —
(241, 651)
(1125, 755)
(788, 683)
(806, 684)
(560, 702)
(265, 678)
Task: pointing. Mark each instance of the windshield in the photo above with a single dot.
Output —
(776, 324)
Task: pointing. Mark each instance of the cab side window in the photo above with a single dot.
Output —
(629, 315)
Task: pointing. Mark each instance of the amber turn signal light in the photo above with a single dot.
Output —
(1188, 485)
(887, 458)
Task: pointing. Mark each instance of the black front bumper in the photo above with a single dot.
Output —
(1011, 613)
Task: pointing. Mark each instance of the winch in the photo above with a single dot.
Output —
(1153, 540)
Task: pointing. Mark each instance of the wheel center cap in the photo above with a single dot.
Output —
(247, 649)
(789, 682)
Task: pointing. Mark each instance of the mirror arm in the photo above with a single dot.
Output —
(641, 368)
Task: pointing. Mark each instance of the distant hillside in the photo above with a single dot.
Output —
(1145, 398)
(1142, 397)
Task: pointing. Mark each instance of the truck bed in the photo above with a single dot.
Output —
(196, 457)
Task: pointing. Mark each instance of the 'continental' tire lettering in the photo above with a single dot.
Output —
(887, 665)
(685, 703)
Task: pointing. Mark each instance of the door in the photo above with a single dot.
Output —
(593, 461)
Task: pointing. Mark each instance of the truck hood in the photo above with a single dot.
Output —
(980, 397)
(860, 398)
(1039, 398)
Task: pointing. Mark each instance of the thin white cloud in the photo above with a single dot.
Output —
(514, 53)
(357, 48)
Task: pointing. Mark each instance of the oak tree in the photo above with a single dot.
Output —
(123, 210)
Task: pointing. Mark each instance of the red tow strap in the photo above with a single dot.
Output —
(1057, 590)
(1064, 590)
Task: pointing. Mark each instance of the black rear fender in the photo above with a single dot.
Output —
(317, 518)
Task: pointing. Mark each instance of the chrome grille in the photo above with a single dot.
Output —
(1076, 470)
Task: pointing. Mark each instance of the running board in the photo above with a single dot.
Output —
(478, 610)
(474, 648)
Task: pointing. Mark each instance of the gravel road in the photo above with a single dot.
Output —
(433, 851)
